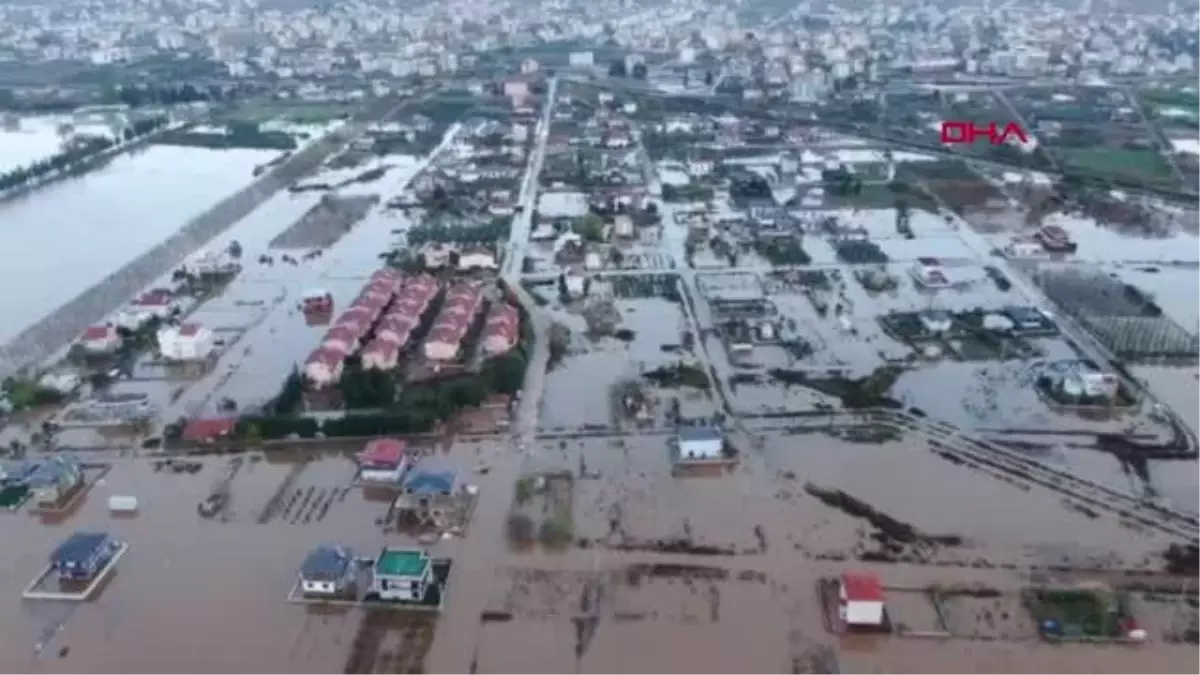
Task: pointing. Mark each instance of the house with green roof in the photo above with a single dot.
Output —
(402, 574)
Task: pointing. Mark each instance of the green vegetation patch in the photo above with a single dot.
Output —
(1175, 97)
(1078, 613)
(1132, 163)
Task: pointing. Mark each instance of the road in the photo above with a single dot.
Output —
(480, 553)
(523, 224)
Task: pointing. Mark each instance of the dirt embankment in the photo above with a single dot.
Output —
(897, 540)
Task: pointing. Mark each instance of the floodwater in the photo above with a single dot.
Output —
(630, 480)
(230, 579)
(605, 361)
(36, 138)
(258, 312)
(70, 235)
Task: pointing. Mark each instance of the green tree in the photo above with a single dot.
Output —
(253, 434)
(508, 373)
(590, 227)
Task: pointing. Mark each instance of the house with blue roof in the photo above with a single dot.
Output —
(328, 570)
(53, 479)
(699, 443)
(430, 496)
(84, 555)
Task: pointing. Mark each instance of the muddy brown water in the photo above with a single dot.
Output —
(224, 580)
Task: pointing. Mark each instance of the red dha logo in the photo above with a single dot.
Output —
(966, 132)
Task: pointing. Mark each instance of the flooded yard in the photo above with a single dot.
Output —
(239, 569)
(655, 327)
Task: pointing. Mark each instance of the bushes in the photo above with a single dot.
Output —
(256, 427)
(279, 427)
(557, 531)
(520, 528)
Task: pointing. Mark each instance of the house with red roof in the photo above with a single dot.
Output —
(383, 461)
(860, 600)
(101, 339)
(502, 329)
(157, 303)
(381, 354)
(188, 342)
(453, 320)
(342, 337)
(208, 429)
(324, 366)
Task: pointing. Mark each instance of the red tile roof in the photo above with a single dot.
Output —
(383, 452)
(326, 355)
(99, 332)
(154, 298)
(862, 587)
(189, 329)
(204, 429)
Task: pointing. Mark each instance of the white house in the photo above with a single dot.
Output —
(402, 574)
(929, 273)
(699, 443)
(623, 226)
(860, 600)
(516, 88)
(100, 339)
(935, 321)
(575, 283)
(476, 258)
(436, 255)
(155, 304)
(383, 460)
(189, 342)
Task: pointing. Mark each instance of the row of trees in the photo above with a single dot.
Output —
(73, 156)
(619, 69)
(136, 96)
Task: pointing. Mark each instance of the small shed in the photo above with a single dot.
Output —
(860, 596)
(123, 504)
(702, 442)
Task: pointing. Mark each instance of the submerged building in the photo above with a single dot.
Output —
(84, 555)
(328, 571)
(403, 575)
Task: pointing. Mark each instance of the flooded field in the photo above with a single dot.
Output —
(627, 495)
(594, 613)
(655, 327)
(31, 139)
(110, 217)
